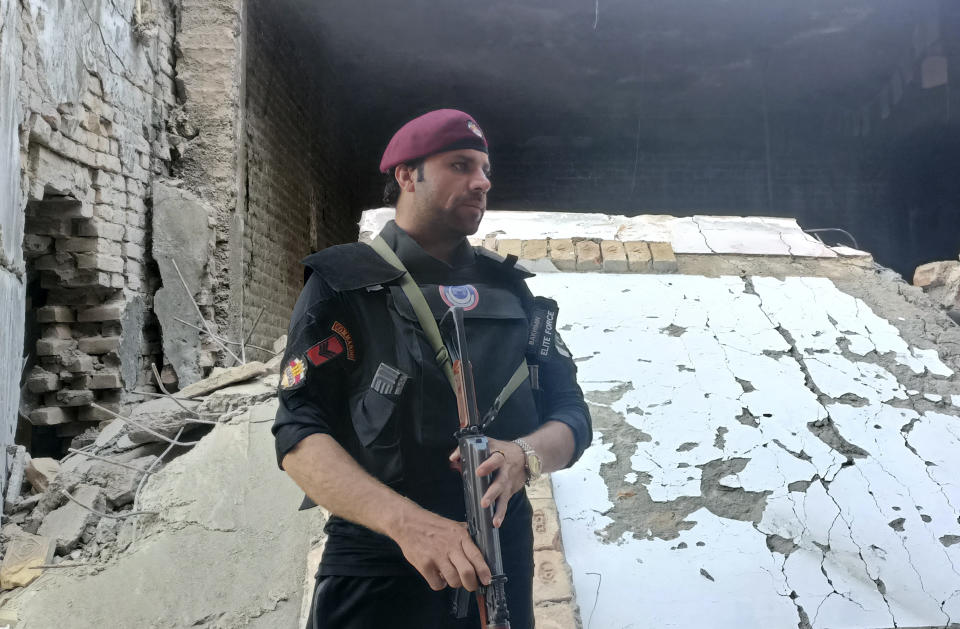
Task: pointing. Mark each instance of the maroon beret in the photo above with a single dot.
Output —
(434, 132)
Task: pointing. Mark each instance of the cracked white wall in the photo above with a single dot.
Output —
(763, 457)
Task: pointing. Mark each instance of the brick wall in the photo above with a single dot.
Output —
(297, 191)
(95, 92)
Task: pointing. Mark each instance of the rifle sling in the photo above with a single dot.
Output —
(429, 326)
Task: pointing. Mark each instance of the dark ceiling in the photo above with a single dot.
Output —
(522, 68)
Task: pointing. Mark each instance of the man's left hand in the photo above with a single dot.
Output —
(507, 463)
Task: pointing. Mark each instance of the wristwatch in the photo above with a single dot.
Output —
(531, 461)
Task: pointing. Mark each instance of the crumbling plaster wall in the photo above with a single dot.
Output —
(91, 101)
(298, 192)
(210, 62)
(11, 230)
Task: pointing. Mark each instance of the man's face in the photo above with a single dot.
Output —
(452, 197)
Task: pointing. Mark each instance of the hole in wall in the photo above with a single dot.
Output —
(73, 313)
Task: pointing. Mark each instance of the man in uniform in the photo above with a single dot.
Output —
(367, 417)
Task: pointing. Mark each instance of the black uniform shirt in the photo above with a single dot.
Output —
(352, 319)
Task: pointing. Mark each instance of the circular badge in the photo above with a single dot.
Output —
(465, 296)
(473, 126)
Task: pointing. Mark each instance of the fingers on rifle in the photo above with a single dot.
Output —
(500, 513)
(476, 558)
(433, 577)
(490, 466)
(468, 576)
(450, 574)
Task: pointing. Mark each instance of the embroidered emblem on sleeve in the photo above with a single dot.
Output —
(561, 347)
(325, 351)
(465, 296)
(344, 333)
(294, 374)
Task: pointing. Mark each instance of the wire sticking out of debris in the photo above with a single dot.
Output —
(111, 516)
(136, 495)
(206, 326)
(814, 232)
(106, 460)
(147, 428)
(222, 340)
(166, 394)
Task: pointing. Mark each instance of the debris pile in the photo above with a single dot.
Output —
(85, 508)
(941, 282)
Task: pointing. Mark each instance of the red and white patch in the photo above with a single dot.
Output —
(466, 296)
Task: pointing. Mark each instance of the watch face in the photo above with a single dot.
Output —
(533, 461)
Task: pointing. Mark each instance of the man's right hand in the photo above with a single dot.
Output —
(440, 549)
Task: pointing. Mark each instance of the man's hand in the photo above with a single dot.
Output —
(509, 462)
(441, 550)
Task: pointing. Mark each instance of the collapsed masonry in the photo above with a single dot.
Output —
(151, 188)
(86, 506)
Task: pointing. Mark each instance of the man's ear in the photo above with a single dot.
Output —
(406, 177)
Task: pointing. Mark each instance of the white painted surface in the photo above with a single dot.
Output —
(700, 352)
(692, 235)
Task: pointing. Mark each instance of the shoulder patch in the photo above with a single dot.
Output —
(344, 333)
(325, 351)
(294, 374)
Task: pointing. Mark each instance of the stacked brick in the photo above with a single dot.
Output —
(297, 202)
(554, 604)
(590, 255)
(87, 167)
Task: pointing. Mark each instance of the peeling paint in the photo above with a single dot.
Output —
(772, 445)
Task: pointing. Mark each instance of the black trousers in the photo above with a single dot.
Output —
(405, 602)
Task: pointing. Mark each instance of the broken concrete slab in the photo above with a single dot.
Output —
(161, 415)
(24, 554)
(119, 483)
(181, 233)
(224, 494)
(68, 523)
(223, 379)
(238, 396)
(41, 472)
(274, 364)
(110, 433)
(280, 344)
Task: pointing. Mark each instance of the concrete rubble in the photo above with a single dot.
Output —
(941, 282)
(220, 494)
(81, 510)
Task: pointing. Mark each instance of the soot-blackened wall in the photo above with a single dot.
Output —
(298, 193)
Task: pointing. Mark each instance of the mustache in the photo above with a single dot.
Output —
(474, 199)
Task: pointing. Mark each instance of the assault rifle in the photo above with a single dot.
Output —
(474, 450)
